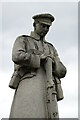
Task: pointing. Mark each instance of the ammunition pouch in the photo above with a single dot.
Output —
(59, 69)
(19, 74)
(15, 79)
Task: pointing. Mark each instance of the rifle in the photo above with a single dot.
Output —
(51, 99)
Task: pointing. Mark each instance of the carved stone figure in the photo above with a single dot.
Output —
(37, 73)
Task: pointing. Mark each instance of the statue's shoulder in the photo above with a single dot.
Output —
(25, 36)
(25, 39)
(22, 36)
(50, 44)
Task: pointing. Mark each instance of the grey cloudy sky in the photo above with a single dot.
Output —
(17, 20)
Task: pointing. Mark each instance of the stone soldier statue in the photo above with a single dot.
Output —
(37, 73)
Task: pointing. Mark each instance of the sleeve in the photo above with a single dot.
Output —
(59, 69)
(21, 56)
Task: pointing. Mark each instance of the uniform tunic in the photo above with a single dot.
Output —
(30, 95)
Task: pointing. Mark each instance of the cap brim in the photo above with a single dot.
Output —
(46, 23)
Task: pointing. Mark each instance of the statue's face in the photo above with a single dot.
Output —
(41, 29)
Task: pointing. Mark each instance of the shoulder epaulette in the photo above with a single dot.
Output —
(26, 36)
(22, 36)
(50, 44)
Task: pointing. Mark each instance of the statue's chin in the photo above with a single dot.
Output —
(43, 34)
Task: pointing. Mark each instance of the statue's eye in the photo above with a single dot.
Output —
(44, 26)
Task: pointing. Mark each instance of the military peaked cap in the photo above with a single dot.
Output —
(44, 18)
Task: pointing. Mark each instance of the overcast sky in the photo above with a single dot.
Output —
(17, 20)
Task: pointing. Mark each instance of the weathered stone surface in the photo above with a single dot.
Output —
(37, 73)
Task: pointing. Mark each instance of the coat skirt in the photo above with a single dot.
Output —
(30, 97)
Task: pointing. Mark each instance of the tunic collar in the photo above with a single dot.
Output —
(36, 36)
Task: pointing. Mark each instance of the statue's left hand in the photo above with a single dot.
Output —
(43, 57)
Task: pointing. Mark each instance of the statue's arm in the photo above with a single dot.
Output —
(59, 69)
(21, 56)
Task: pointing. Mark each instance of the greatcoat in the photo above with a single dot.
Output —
(33, 98)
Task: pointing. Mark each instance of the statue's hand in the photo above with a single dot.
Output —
(50, 56)
(43, 57)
